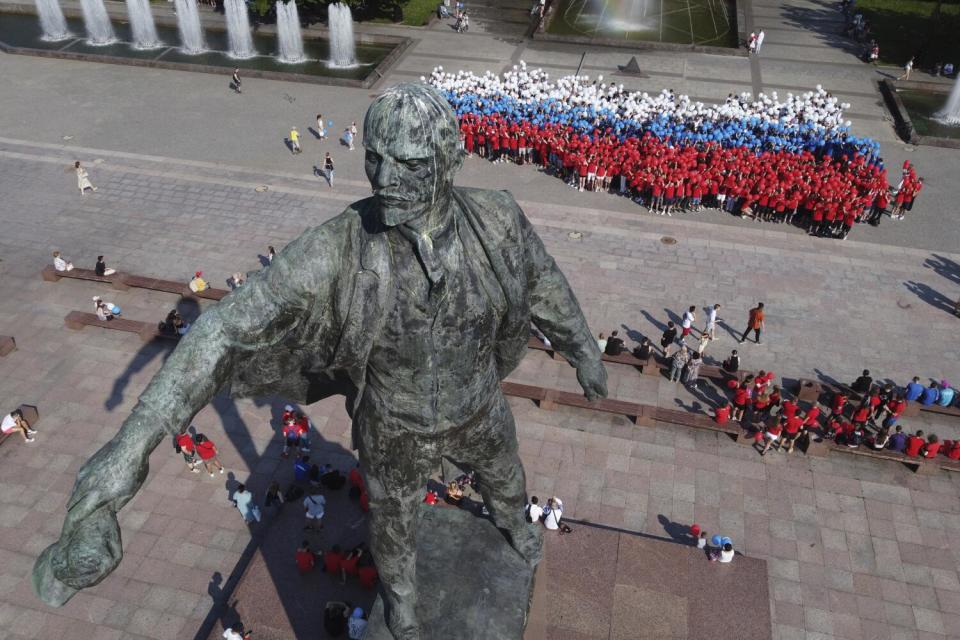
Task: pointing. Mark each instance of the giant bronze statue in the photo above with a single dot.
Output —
(422, 295)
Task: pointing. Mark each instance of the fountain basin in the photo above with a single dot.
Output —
(20, 33)
(913, 106)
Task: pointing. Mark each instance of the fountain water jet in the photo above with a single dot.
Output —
(238, 29)
(52, 20)
(950, 114)
(340, 24)
(141, 22)
(289, 38)
(188, 22)
(99, 29)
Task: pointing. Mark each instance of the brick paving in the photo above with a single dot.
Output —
(854, 548)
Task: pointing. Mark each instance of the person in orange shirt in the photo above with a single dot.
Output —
(755, 323)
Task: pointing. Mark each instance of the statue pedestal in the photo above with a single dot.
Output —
(472, 585)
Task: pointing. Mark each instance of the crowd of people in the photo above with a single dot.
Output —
(765, 159)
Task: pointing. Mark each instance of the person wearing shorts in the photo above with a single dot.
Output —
(208, 453)
(313, 509)
(14, 421)
(772, 436)
(184, 444)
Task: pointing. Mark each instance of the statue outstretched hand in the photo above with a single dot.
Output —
(592, 376)
(89, 547)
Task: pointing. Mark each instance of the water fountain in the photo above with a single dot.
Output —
(141, 23)
(188, 22)
(52, 20)
(950, 114)
(99, 29)
(289, 38)
(238, 29)
(340, 23)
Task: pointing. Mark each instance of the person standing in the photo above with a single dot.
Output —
(755, 323)
(907, 70)
(295, 140)
(321, 131)
(710, 327)
(314, 507)
(679, 361)
(760, 36)
(208, 453)
(83, 179)
(689, 317)
(328, 169)
(668, 338)
(236, 80)
(185, 447)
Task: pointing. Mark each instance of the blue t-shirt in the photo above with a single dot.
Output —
(301, 470)
(946, 397)
(930, 395)
(914, 391)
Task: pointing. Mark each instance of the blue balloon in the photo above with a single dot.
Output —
(329, 123)
(726, 540)
(717, 541)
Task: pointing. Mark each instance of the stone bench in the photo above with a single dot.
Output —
(695, 420)
(30, 414)
(626, 357)
(921, 465)
(7, 345)
(126, 280)
(50, 274)
(951, 411)
(77, 320)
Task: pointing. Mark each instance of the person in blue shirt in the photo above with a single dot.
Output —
(914, 390)
(930, 395)
(946, 394)
(898, 441)
(301, 469)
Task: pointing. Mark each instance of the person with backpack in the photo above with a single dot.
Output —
(534, 510)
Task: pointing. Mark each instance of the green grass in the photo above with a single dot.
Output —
(417, 12)
(904, 28)
(701, 22)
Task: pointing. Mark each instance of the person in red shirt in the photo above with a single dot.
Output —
(861, 415)
(332, 560)
(356, 478)
(838, 404)
(208, 453)
(953, 450)
(893, 410)
(431, 498)
(184, 445)
(721, 415)
(812, 419)
(348, 566)
(365, 500)
(792, 429)
(367, 573)
(740, 399)
(914, 445)
(772, 436)
(304, 558)
(932, 447)
(789, 409)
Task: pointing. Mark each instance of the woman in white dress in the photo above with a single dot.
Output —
(83, 179)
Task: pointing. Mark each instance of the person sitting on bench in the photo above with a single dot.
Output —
(614, 345)
(863, 383)
(101, 268)
(14, 421)
(101, 309)
(643, 351)
(197, 283)
(60, 264)
(109, 307)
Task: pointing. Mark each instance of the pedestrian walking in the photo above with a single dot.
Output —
(760, 36)
(711, 326)
(907, 70)
(755, 323)
(208, 453)
(347, 138)
(295, 140)
(321, 131)
(328, 169)
(83, 179)
(236, 81)
(686, 323)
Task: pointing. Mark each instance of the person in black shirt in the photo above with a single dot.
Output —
(642, 352)
(863, 383)
(668, 338)
(614, 345)
(101, 268)
(732, 364)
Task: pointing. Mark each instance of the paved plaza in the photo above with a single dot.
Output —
(854, 548)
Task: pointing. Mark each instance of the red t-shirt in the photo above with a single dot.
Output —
(931, 450)
(356, 479)
(812, 416)
(861, 414)
(954, 451)
(207, 450)
(839, 401)
(722, 414)
(365, 501)
(741, 396)
(367, 577)
(331, 562)
(896, 407)
(914, 444)
(349, 565)
(789, 409)
(305, 560)
(774, 429)
(794, 424)
(185, 442)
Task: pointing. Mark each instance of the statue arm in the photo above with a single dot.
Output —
(257, 315)
(556, 312)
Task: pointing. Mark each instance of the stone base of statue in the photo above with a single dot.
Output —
(472, 585)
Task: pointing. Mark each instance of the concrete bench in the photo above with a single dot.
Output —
(127, 280)
(626, 357)
(30, 414)
(695, 420)
(951, 411)
(7, 345)
(548, 399)
(77, 320)
(50, 274)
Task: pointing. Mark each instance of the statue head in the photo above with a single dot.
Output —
(410, 135)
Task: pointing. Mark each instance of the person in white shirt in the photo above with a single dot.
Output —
(602, 343)
(711, 326)
(534, 510)
(686, 324)
(103, 313)
(727, 553)
(313, 507)
(702, 540)
(553, 513)
(108, 307)
(60, 264)
(14, 421)
(236, 632)
(760, 37)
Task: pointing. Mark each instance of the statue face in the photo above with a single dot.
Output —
(410, 140)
